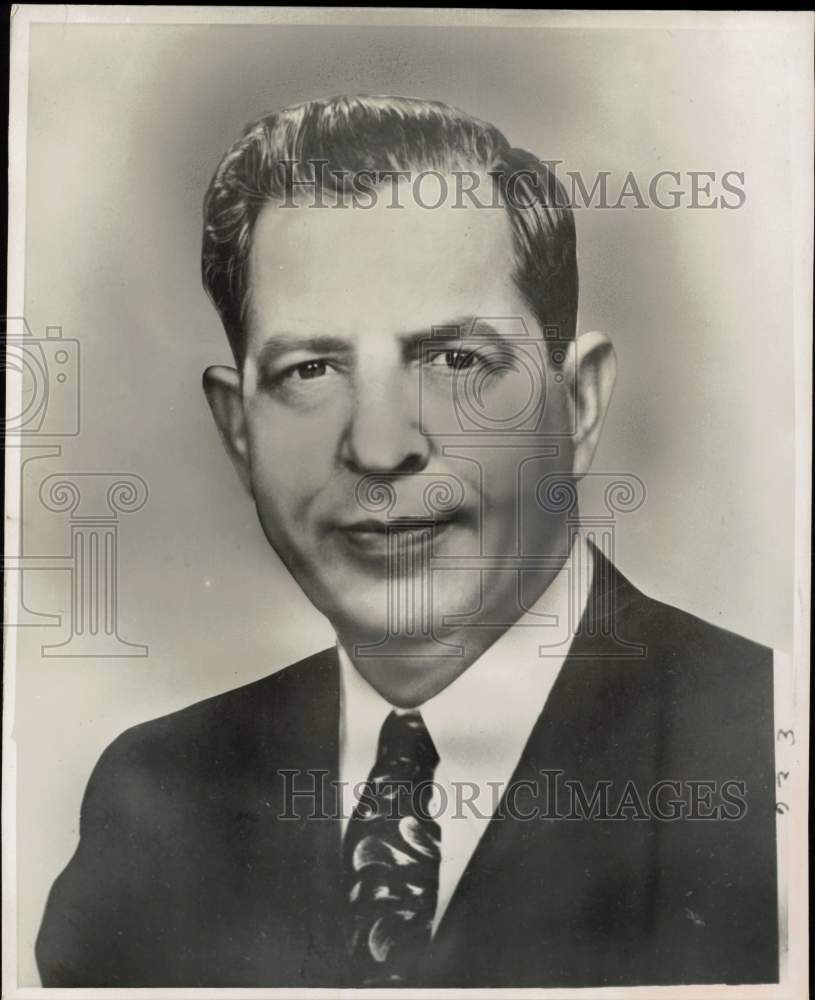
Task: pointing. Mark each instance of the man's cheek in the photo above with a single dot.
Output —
(292, 451)
(286, 485)
(513, 517)
(290, 480)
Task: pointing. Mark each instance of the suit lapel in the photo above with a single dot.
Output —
(541, 892)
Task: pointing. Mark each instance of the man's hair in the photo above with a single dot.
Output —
(346, 136)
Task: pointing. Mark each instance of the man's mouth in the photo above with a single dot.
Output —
(375, 537)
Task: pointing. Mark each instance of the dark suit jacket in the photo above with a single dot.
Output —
(186, 875)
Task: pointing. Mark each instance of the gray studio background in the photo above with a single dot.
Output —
(126, 125)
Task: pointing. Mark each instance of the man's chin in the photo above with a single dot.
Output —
(400, 617)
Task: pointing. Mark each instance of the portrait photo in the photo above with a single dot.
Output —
(407, 456)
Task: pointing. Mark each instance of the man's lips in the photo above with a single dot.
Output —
(373, 534)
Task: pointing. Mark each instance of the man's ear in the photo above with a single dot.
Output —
(222, 387)
(595, 374)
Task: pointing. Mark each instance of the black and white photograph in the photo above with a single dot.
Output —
(407, 488)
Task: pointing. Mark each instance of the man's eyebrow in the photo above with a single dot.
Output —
(453, 329)
(283, 342)
(412, 340)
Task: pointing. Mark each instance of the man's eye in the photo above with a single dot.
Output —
(289, 378)
(455, 359)
(310, 369)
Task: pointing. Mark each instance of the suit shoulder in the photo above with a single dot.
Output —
(705, 677)
(683, 632)
(219, 732)
(676, 639)
(716, 687)
(681, 640)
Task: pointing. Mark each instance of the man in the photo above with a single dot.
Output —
(410, 410)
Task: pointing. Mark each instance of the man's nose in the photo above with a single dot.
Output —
(383, 433)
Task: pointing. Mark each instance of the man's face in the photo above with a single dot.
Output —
(366, 381)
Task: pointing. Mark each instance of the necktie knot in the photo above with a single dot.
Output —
(405, 746)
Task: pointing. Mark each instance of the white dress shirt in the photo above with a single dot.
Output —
(479, 723)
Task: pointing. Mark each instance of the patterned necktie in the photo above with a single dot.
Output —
(391, 858)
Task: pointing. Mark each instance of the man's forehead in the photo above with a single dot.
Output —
(435, 263)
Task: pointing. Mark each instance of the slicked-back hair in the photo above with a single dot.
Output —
(275, 158)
